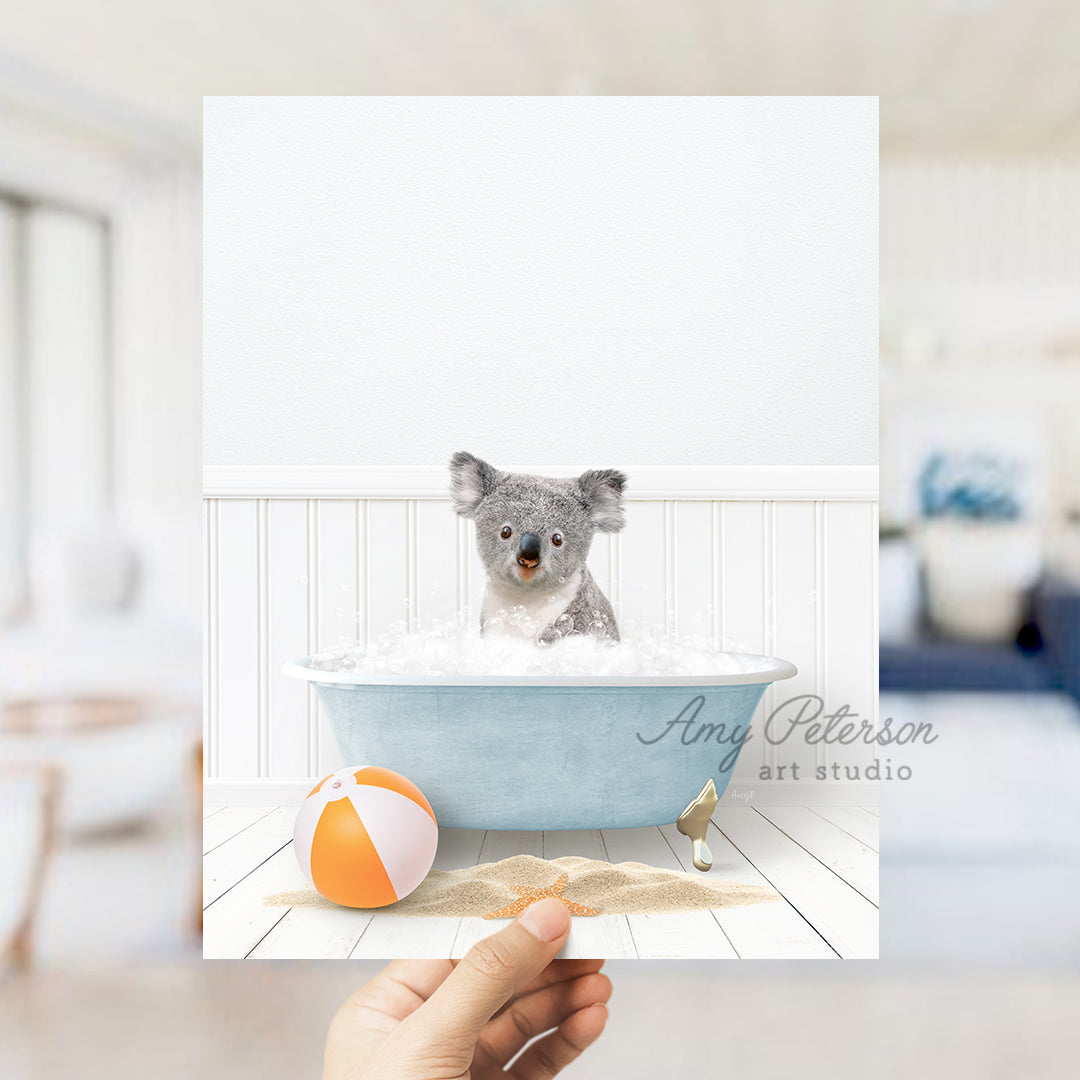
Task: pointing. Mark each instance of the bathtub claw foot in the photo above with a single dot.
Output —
(693, 822)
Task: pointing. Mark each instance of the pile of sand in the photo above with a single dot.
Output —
(626, 888)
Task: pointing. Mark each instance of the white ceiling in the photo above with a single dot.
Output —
(954, 76)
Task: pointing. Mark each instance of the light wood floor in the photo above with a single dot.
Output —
(823, 861)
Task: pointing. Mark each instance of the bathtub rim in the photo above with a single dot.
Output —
(777, 672)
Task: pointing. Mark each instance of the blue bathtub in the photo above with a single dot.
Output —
(540, 752)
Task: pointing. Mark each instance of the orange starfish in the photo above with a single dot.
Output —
(529, 896)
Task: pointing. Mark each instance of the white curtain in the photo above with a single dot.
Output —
(68, 385)
(12, 518)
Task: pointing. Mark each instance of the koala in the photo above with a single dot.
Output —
(533, 534)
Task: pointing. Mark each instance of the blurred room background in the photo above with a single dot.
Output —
(980, 544)
(99, 481)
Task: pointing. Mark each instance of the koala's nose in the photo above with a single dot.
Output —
(529, 550)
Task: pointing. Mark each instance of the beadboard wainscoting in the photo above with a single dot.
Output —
(780, 560)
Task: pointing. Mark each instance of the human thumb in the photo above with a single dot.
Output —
(489, 975)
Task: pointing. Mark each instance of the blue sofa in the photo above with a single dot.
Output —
(1044, 657)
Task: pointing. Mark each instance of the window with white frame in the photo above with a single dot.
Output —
(56, 386)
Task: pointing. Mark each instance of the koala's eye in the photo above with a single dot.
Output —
(556, 539)
(507, 532)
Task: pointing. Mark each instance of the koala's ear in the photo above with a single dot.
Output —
(602, 491)
(470, 481)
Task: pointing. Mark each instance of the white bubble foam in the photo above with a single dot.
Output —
(457, 648)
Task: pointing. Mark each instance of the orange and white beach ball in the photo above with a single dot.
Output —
(365, 837)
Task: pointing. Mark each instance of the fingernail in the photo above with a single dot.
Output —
(547, 919)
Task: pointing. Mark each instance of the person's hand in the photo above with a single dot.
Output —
(440, 1020)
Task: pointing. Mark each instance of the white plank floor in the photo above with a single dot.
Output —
(823, 861)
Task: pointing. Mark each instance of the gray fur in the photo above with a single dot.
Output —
(577, 508)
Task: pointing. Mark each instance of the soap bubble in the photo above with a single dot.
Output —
(511, 645)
